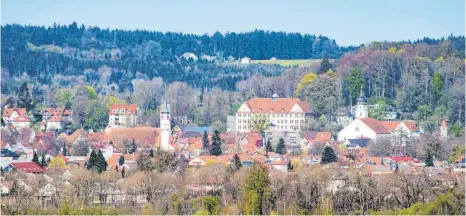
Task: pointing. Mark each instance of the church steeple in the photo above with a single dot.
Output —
(361, 106)
(165, 123)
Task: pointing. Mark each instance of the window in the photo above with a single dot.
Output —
(285, 121)
(291, 121)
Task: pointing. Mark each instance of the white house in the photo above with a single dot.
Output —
(18, 117)
(54, 123)
(123, 115)
(364, 127)
(245, 60)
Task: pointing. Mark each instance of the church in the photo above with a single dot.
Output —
(365, 127)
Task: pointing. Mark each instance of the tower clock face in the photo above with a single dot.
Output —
(357, 129)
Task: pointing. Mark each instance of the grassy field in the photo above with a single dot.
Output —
(289, 63)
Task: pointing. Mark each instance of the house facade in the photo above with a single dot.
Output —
(283, 114)
(123, 115)
(54, 119)
(17, 117)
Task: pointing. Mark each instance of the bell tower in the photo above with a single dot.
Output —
(165, 124)
(361, 107)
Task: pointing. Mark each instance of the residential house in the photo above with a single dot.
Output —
(311, 138)
(26, 167)
(279, 165)
(17, 117)
(123, 115)
(245, 60)
(460, 162)
(203, 160)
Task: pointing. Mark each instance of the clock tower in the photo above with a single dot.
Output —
(165, 125)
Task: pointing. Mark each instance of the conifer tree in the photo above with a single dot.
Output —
(205, 142)
(65, 151)
(121, 161)
(289, 166)
(235, 163)
(429, 160)
(268, 147)
(281, 149)
(35, 158)
(325, 65)
(123, 172)
(92, 161)
(328, 156)
(101, 164)
(151, 153)
(24, 98)
(216, 148)
(134, 147)
(42, 161)
(396, 167)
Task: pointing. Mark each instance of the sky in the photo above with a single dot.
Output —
(349, 22)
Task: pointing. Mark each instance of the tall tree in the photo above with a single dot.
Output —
(328, 156)
(429, 160)
(325, 65)
(101, 164)
(24, 97)
(43, 162)
(205, 142)
(355, 83)
(65, 151)
(216, 148)
(35, 158)
(121, 161)
(258, 190)
(92, 162)
(268, 147)
(281, 148)
(289, 167)
(235, 163)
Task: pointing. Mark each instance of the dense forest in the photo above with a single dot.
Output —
(88, 68)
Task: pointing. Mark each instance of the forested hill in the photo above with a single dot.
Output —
(257, 44)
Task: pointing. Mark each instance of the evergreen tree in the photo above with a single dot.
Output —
(235, 163)
(429, 160)
(42, 161)
(205, 142)
(65, 151)
(289, 166)
(121, 161)
(24, 98)
(101, 164)
(396, 167)
(151, 153)
(91, 164)
(325, 65)
(258, 187)
(35, 158)
(381, 161)
(268, 147)
(281, 149)
(216, 148)
(134, 147)
(328, 156)
(123, 172)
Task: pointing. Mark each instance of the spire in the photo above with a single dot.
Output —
(165, 106)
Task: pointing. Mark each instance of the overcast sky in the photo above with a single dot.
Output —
(349, 22)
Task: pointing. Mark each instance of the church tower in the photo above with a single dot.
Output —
(361, 107)
(165, 125)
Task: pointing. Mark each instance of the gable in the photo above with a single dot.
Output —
(244, 108)
(296, 108)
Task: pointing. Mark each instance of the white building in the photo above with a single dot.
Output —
(123, 115)
(245, 60)
(54, 123)
(283, 114)
(18, 117)
(165, 126)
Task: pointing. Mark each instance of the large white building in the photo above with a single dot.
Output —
(283, 114)
(123, 115)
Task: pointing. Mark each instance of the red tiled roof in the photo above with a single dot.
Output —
(323, 136)
(130, 109)
(143, 135)
(68, 112)
(390, 125)
(55, 118)
(21, 112)
(411, 125)
(28, 167)
(281, 105)
(22, 119)
(402, 158)
(375, 125)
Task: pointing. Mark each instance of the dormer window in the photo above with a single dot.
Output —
(260, 109)
(282, 110)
